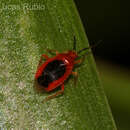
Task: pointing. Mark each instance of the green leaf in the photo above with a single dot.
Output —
(27, 28)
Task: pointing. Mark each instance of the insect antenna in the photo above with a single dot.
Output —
(93, 46)
(74, 45)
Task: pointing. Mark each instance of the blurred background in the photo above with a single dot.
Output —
(109, 21)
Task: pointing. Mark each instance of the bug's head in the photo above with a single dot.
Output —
(72, 54)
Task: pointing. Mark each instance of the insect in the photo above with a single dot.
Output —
(54, 71)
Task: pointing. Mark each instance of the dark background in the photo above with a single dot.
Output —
(108, 21)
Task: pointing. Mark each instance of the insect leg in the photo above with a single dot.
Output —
(45, 56)
(81, 60)
(77, 61)
(40, 61)
(52, 51)
(56, 94)
(75, 77)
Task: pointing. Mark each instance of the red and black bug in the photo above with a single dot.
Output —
(53, 72)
